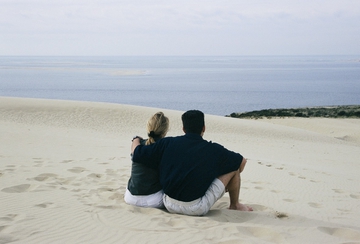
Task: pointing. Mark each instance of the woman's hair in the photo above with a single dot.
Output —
(157, 127)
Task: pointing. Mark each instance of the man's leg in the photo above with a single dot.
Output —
(232, 183)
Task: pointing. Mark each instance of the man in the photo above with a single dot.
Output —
(194, 173)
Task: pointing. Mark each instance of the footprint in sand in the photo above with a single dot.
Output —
(344, 210)
(257, 207)
(38, 162)
(106, 189)
(95, 176)
(1, 229)
(44, 177)
(104, 163)
(10, 168)
(8, 220)
(66, 161)
(77, 170)
(53, 181)
(314, 181)
(314, 205)
(111, 172)
(18, 189)
(338, 190)
(6, 238)
(13, 217)
(348, 234)
(257, 182)
(288, 200)
(46, 205)
(280, 215)
(355, 196)
(260, 233)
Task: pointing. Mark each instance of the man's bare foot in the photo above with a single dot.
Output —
(240, 207)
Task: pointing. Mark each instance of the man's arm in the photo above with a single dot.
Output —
(135, 143)
(149, 155)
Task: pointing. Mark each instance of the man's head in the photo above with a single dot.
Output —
(193, 122)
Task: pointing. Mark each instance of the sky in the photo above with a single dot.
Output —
(186, 27)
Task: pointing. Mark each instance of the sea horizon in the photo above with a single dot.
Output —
(218, 85)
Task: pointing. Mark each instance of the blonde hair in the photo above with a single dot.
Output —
(157, 127)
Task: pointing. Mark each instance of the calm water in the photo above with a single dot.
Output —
(215, 85)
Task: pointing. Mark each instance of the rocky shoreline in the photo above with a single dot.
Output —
(347, 111)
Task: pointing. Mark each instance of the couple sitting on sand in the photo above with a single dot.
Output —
(185, 174)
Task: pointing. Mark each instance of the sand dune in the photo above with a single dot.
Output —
(64, 167)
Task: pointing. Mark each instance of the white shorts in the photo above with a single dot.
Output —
(199, 206)
(148, 201)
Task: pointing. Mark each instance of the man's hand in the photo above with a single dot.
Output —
(135, 142)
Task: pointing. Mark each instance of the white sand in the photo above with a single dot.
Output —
(64, 167)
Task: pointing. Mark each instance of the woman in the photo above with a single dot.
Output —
(144, 189)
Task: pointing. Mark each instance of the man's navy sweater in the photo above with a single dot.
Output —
(187, 164)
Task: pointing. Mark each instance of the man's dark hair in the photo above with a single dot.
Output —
(193, 121)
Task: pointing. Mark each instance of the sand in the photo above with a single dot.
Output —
(64, 167)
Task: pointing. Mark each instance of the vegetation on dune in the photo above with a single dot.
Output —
(348, 111)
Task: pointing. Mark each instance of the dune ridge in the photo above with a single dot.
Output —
(64, 167)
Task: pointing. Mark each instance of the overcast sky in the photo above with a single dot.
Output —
(182, 27)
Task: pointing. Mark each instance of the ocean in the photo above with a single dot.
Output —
(218, 85)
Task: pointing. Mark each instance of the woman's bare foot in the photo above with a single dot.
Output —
(241, 207)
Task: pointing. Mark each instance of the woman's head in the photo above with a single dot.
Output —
(157, 127)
